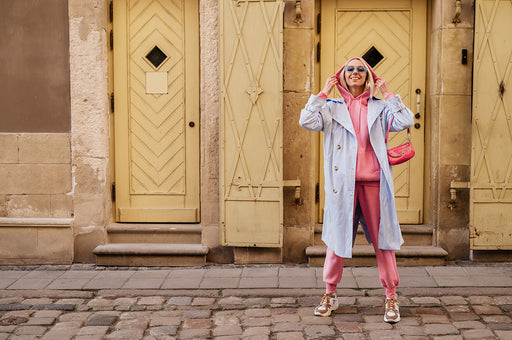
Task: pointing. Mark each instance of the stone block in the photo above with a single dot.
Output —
(31, 245)
(479, 334)
(455, 130)
(447, 13)
(41, 148)
(257, 255)
(61, 206)
(35, 179)
(307, 15)
(440, 329)
(295, 241)
(9, 147)
(319, 331)
(89, 211)
(298, 47)
(90, 176)
(101, 320)
(456, 77)
(28, 206)
(435, 63)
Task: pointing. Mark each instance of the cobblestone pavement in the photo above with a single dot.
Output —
(250, 302)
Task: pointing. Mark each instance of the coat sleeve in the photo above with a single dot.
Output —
(404, 118)
(314, 113)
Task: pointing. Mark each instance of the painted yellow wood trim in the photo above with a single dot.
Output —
(157, 136)
(409, 178)
(251, 104)
(491, 162)
(158, 215)
(409, 216)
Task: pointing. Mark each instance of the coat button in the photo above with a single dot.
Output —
(335, 168)
(335, 191)
(338, 146)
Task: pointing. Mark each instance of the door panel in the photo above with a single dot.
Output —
(491, 159)
(251, 77)
(388, 36)
(156, 85)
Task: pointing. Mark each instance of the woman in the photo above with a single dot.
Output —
(358, 177)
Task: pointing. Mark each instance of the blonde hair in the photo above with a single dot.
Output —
(370, 82)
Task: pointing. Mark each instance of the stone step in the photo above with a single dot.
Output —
(151, 254)
(364, 255)
(414, 235)
(154, 233)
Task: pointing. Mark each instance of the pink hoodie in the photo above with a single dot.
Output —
(367, 165)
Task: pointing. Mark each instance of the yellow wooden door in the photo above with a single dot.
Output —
(251, 76)
(390, 35)
(156, 87)
(491, 159)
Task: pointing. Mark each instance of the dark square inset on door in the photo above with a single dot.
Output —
(156, 56)
(373, 56)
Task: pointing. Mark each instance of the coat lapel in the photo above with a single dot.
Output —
(342, 116)
(373, 112)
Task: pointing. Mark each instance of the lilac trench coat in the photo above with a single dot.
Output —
(340, 149)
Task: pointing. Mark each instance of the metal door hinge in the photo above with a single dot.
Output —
(318, 52)
(318, 23)
(112, 102)
(113, 193)
(111, 11)
(111, 40)
(317, 193)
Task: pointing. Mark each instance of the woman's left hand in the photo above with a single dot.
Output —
(383, 86)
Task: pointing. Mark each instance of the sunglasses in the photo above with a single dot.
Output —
(359, 69)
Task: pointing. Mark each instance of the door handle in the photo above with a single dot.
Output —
(191, 124)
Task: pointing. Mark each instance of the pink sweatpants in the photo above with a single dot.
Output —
(367, 195)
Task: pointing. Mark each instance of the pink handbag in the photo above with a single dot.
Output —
(401, 153)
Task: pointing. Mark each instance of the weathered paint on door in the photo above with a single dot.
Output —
(156, 79)
(393, 34)
(251, 164)
(491, 159)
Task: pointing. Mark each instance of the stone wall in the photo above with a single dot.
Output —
(450, 85)
(36, 202)
(210, 200)
(299, 145)
(90, 116)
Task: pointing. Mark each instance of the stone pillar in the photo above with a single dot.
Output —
(450, 123)
(299, 160)
(208, 23)
(89, 125)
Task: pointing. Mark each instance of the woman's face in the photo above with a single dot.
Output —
(354, 74)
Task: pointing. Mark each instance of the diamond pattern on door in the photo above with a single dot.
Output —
(387, 39)
(388, 33)
(491, 162)
(251, 122)
(157, 121)
(157, 153)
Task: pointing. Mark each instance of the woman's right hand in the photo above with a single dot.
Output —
(329, 84)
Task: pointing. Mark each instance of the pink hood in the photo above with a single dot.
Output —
(370, 83)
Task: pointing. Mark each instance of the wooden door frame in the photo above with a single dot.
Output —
(122, 126)
(329, 6)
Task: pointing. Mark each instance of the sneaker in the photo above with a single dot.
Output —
(392, 314)
(328, 303)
